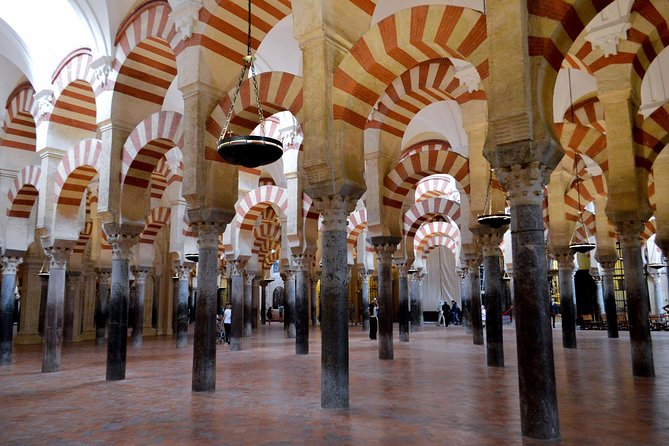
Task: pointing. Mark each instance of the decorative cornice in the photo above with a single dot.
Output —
(10, 265)
(185, 17)
(102, 67)
(44, 100)
(524, 184)
(468, 75)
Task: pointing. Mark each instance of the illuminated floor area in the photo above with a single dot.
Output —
(436, 391)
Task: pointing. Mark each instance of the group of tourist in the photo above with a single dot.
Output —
(449, 314)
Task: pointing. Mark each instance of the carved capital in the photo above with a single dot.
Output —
(385, 247)
(58, 256)
(122, 245)
(44, 100)
(303, 262)
(237, 267)
(565, 258)
(140, 276)
(365, 275)
(185, 16)
(102, 67)
(184, 271)
(402, 267)
(290, 274)
(524, 184)
(10, 265)
(489, 240)
(335, 210)
(463, 273)
(629, 232)
(468, 75)
(105, 277)
(607, 268)
(208, 234)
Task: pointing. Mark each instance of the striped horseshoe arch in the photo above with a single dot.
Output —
(19, 124)
(76, 170)
(437, 228)
(425, 210)
(157, 218)
(251, 205)
(23, 192)
(590, 188)
(357, 222)
(436, 241)
(651, 137)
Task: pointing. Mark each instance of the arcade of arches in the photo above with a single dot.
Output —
(401, 123)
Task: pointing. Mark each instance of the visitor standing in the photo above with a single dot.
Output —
(227, 322)
(373, 319)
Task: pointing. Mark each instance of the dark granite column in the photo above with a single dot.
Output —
(334, 302)
(637, 298)
(263, 299)
(154, 300)
(608, 289)
(534, 338)
(44, 278)
(302, 263)
(70, 302)
(53, 320)
(489, 240)
(184, 272)
(315, 276)
(289, 306)
(101, 307)
(600, 293)
(473, 263)
(417, 300)
(248, 304)
(565, 259)
(10, 265)
(255, 302)
(204, 334)
(237, 299)
(465, 298)
(138, 326)
(364, 280)
(385, 246)
(403, 269)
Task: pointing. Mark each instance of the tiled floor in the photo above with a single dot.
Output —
(436, 391)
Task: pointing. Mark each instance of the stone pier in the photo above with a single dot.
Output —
(385, 246)
(566, 268)
(59, 253)
(10, 265)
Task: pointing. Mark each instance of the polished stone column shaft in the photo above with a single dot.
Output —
(184, 272)
(490, 241)
(385, 246)
(44, 278)
(302, 263)
(117, 342)
(608, 289)
(155, 280)
(289, 307)
(140, 289)
(204, 334)
(263, 300)
(70, 301)
(248, 304)
(10, 265)
(636, 292)
(565, 258)
(53, 321)
(315, 276)
(404, 303)
(534, 336)
(237, 299)
(416, 297)
(334, 303)
(255, 302)
(466, 297)
(101, 308)
(657, 288)
(364, 288)
(475, 299)
(600, 295)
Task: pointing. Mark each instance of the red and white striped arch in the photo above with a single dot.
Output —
(435, 241)
(268, 231)
(428, 82)
(590, 223)
(590, 189)
(84, 236)
(147, 144)
(435, 186)
(651, 137)
(357, 222)
(648, 230)
(437, 228)
(19, 124)
(278, 92)
(76, 170)
(159, 179)
(431, 159)
(573, 62)
(399, 43)
(251, 205)
(589, 112)
(157, 218)
(24, 192)
(576, 138)
(145, 63)
(428, 209)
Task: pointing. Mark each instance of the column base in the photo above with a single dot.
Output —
(27, 339)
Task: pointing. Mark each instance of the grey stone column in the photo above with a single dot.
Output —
(44, 278)
(117, 340)
(609, 297)
(101, 307)
(473, 263)
(184, 272)
(385, 246)
(248, 304)
(237, 268)
(255, 302)
(465, 298)
(600, 295)
(565, 259)
(489, 240)
(315, 277)
(334, 302)
(204, 337)
(657, 288)
(70, 303)
(263, 300)
(302, 263)
(10, 265)
(534, 338)
(289, 307)
(364, 279)
(138, 326)
(53, 320)
(30, 301)
(154, 300)
(637, 298)
(403, 269)
(417, 319)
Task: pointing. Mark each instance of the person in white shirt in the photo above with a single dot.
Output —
(483, 314)
(227, 322)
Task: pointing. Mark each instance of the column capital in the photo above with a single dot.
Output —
(184, 271)
(489, 239)
(105, 276)
(335, 210)
(237, 267)
(565, 258)
(463, 272)
(365, 275)
(250, 276)
(524, 183)
(208, 233)
(385, 247)
(290, 274)
(402, 267)
(629, 231)
(58, 255)
(303, 261)
(10, 264)
(141, 275)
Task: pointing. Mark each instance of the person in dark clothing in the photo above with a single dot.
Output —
(269, 316)
(555, 310)
(456, 312)
(373, 321)
(447, 313)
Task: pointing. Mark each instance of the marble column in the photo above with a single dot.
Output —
(248, 304)
(77, 321)
(101, 308)
(53, 320)
(473, 263)
(302, 263)
(465, 294)
(608, 289)
(404, 302)
(184, 272)
(70, 303)
(10, 266)
(657, 288)
(237, 299)
(600, 293)
(534, 336)
(636, 292)
(384, 247)
(255, 302)
(30, 301)
(263, 300)
(154, 300)
(204, 334)
(315, 276)
(140, 288)
(289, 307)
(417, 319)
(334, 303)
(117, 339)
(489, 240)
(566, 268)
(364, 287)
(44, 280)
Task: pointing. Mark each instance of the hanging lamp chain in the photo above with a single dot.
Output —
(487, 207)
(578, 199)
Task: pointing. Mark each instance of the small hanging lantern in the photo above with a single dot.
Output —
(44, 270)
(489, 218)
(193, 257)
(584, 246)
(248, 150)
